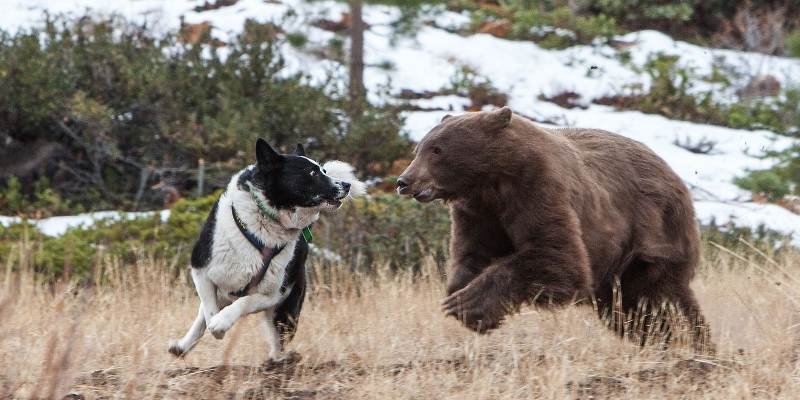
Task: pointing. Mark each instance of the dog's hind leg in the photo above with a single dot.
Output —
(180, 348)
(273, 337)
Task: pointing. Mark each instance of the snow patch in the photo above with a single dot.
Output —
(57, 226)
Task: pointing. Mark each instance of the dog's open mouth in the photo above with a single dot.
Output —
(337, 200)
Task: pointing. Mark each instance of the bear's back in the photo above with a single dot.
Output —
(639, 192)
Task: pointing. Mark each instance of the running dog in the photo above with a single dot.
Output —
(251, 253)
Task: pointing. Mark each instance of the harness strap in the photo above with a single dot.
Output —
(267, 254)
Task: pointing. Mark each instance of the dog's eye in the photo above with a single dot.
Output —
(312, 173)
(437, 150)
(324, 172)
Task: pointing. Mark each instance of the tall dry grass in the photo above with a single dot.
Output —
(383, 337)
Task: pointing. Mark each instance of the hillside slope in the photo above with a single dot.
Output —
(428, 61)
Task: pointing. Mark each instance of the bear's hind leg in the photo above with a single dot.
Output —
(649, 305)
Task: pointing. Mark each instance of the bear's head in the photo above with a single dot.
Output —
(456, 157)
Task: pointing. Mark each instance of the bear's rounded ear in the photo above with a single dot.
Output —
(503, 116)
(299, 150)
(446, 117)
(497, 119)
(266, 156)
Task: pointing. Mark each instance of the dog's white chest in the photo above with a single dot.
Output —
(235, 261)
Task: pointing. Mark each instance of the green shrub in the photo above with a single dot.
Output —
(39, 201)
(669, 93)
(386, 228)
(80, 251)
(297, 39)
(595, 26)
(644, 13)
(767, 182)
(792, 43)
(741, 239)
(551, 24)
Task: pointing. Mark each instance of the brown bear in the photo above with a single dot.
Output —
(554, 216)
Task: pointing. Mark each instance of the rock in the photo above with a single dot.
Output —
(762, 86)
(567, 99)
(791, 203)
(208, 6)
(498, 28)
(341, 25)
(194, 33)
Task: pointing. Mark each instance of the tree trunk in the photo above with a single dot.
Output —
(356, 58)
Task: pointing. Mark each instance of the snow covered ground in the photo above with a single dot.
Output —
(428, 60)
(56, 226)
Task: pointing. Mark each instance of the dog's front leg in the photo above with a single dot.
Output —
(207, 292)
(179, 348)
(225, 319)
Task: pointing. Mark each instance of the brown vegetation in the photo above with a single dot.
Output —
(384, 337)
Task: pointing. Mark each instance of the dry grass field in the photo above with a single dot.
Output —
(383, 337)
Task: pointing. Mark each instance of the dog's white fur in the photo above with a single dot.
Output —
(234, 261)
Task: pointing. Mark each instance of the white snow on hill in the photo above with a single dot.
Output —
(56, 226)
(429, 59)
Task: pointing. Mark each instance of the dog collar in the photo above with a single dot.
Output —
(269, 212)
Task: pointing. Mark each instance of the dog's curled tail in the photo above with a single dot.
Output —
(344, 171)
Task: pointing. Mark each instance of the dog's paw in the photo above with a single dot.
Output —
(176, 349)
(283, 358)
(218, 326)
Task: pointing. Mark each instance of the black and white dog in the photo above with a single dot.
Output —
(251, 253)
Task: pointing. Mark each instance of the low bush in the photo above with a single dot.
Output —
(766, 182)
(386, 229)
(552, 24)
(792, 43)
(81, 250)
(382, 229)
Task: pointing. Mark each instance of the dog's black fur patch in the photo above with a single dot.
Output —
(201, 253)
(288, 312)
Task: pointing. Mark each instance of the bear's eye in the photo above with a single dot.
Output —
(437, 150)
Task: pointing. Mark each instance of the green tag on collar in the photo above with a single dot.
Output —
(307, 234)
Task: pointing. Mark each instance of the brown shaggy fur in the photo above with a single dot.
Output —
(552, 216)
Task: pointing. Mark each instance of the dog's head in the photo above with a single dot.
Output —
(293, 180)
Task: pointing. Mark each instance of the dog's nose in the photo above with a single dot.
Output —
(401, 183)
(346, 186)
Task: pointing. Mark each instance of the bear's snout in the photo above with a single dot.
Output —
(403, 186)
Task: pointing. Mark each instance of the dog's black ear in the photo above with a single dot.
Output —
(299, 150)
(266, 156)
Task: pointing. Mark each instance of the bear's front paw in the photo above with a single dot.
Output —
(478, 308)
(219, 325)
